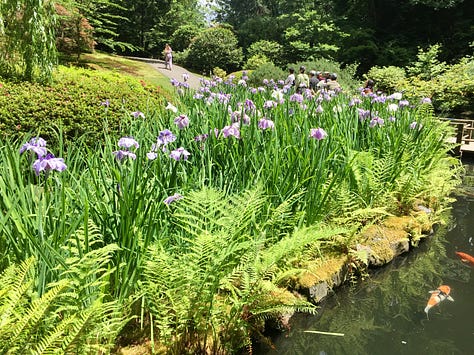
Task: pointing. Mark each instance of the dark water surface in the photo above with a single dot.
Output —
(384, 313)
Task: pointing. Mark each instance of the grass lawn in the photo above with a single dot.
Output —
(104, 61)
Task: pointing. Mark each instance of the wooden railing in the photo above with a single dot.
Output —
(464, 132)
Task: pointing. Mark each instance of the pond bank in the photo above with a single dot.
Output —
(385, 306)
(383, 314)
(378, 245)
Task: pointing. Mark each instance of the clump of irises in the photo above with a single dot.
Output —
(45, 161)
(127, 143)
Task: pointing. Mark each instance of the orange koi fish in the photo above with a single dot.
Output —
(466, 257)
(438, 296)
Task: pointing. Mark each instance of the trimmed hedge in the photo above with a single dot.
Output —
(75, 104)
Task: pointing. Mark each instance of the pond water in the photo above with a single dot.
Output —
(384, 314)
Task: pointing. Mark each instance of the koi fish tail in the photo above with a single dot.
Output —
(427, 308)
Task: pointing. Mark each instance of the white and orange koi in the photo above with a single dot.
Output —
(438, 296)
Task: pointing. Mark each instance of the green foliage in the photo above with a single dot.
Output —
(219, 72)
(387, 79)
(271, 50)
(74, 33)
(310, 35)
(183, 36)
(427, 66)
(455, 89)
(28, 48)
(235, 240)
(452, 92)
(72, 314)
(231, 280)
(256, 61)
(216, 46)
(106, 19)
(266, 71)
(74, 101)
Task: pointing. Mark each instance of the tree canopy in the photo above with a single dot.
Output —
(366, 32)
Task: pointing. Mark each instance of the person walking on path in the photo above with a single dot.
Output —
(168, 52)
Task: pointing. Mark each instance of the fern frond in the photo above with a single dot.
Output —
(36, 312)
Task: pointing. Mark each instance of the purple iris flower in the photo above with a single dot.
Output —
(319, 109)
(246, 119)
(270, 104)
(179, 154)
(381, 99)
(266, 124)
(296, 98)
(106, 103)
(363, 114)
(249, 105)
(182, 121)
(47, 163)
(232, 130)
(128, 142)
(151, 155)
(137, 114)
(172, 198)
(235, 116)
(37, 145)
(174, 82)
(426, 100)
(376, 121)
(223, 98)
(165, 137)
(403, 103)
(355, 101)
(201, 137)
(413, 125)
(318, 133)
(122, 154)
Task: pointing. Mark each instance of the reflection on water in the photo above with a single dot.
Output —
(384, 314)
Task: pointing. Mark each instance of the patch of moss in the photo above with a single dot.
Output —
(321, 270)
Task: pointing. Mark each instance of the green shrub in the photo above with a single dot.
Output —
(387, 78)
(427, 65)
(238, 75)
(215, 47)
(219, 72)
(455, 92)
(73, 104)
(256, 60)
(271, 50)
(183, 36)
(451, 93)
(414, 88)
(265, 71)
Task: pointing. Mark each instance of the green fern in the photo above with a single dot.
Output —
(72, 316)
(213, 290)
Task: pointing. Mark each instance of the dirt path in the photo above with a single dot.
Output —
(177, 72)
